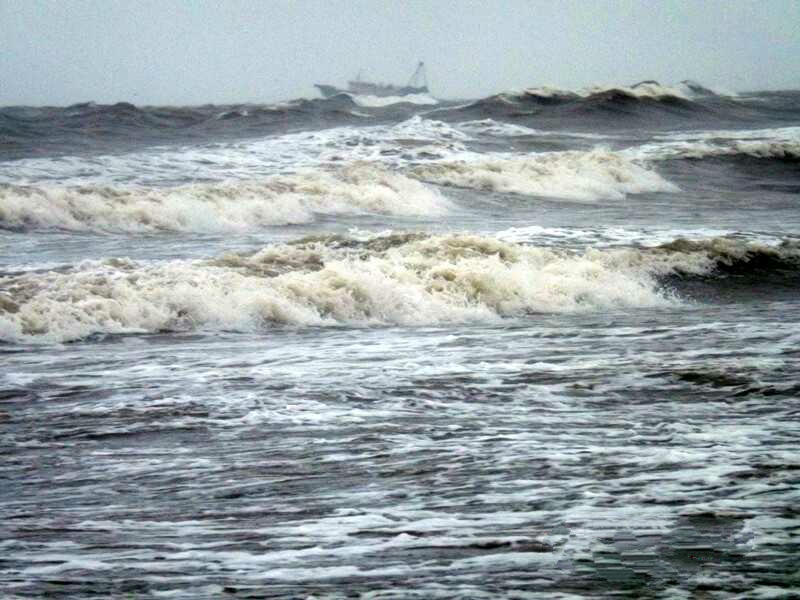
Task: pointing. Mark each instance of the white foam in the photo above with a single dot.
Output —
(60, 563)
(277, 200)
(378, 101)
(757, 149)
(645, 89)
(418, 128)
(779, 142)
(572, 175)
(497, 128)
(404, 281)
(774, 133)
(605, 237)
(642, 90)
(414, 140)
(494, 128)
(775, 148)
(548, 91)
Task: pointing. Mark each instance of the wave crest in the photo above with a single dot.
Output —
(727, 256)
(405, 280)
(572, 175)
(278, 200)
(644, 89)
(788, 150)
(398, 279)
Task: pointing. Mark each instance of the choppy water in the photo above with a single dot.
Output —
(543, 344)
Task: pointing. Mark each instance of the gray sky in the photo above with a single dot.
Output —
(198, 51)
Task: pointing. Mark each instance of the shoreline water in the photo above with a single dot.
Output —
(541, 343)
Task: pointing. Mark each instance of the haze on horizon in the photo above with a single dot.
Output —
(197, 52)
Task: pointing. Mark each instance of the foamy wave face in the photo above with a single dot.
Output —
(572, 175)
(415, 139)
(701, 257)
(783, 149)
(778, 142)
(402, 279)
(645, 89)
(497, 128)
(278, 200)
(774, 133)
(490, 127)
(549, 91)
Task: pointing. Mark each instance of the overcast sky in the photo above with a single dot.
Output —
(198, 51)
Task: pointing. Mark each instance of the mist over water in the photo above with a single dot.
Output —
(542, 343)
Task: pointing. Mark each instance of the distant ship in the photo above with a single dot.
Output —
(418, 84)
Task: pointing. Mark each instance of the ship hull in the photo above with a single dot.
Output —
(371, 90)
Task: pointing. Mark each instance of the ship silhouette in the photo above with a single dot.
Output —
(418, 84)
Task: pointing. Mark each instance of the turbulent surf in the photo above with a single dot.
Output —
(538, 344)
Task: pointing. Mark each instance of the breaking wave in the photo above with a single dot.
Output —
(571, 175)
(587, 98)
(401, 279)
(788, 150)
(603, 105)
(413, 139)
(726, 256)
(33, 131)
(497, 128)
(777, 143)
(278, 200)
(644, 89)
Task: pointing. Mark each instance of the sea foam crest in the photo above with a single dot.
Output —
(644, 89)
(571, 175)
(498, 128)
(277, 200)
(401, 279)
(782, 149)
(379, 101)
(776, 142)
(415, 139)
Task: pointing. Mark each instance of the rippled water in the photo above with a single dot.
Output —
(434, 356)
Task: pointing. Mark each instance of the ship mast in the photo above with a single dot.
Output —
(419, 78)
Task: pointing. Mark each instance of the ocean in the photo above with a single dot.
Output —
(543, 344)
